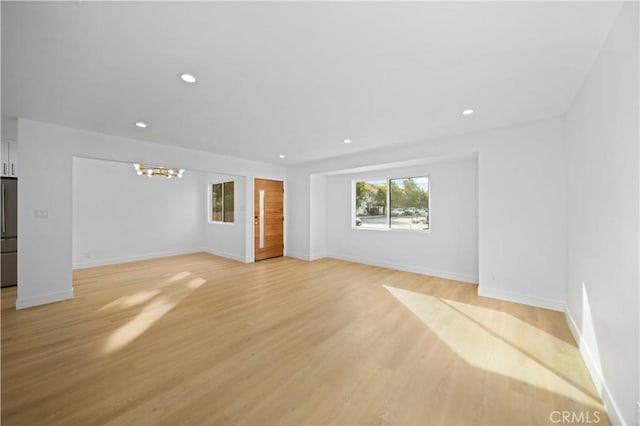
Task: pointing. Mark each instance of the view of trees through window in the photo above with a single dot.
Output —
(222, 200)
(401, 203)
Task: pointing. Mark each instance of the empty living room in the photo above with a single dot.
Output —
(320, 213)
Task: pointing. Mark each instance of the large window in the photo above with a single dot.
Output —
(222, 196)
(401, 203)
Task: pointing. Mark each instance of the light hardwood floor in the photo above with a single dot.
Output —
(198, 339)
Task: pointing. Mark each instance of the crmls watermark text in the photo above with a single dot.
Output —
(568, 417)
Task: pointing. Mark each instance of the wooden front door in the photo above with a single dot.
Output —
(268, 218)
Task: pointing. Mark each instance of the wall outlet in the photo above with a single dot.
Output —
(41, 213)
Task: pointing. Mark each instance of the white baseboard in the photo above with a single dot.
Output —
(224, 254)
(410, 268)
(125, 259)
(595, 371)
(524, 299)
(29, 302)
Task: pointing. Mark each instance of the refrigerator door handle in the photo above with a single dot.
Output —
(4, 218)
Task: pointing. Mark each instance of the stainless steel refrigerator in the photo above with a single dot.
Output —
(9, 243)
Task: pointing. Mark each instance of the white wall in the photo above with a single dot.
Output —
(449, 250)
(297, 218)
(226, 239)
(603, 235)
(318, 216)
(46, 152)
(119, 216)
(521, 197)
(523, 218)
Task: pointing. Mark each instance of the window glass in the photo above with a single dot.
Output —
(371, 204)
(216, 202)
(228, 202)
(409, 203)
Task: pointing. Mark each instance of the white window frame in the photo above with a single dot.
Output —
(210, 203)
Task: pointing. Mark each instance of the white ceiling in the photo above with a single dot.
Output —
(295, 78)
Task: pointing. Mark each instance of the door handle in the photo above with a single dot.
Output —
(13, 169)
(4, 219)
(4, 168)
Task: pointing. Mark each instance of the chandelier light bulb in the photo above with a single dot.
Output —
(150, 171)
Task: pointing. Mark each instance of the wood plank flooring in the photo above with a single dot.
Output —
(197, 339)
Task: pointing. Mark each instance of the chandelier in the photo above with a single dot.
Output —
(151, 171)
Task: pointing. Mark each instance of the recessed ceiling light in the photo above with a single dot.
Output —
(347, 141)
(467, 112)
(282, 156)
(187, 78)
(141, 124)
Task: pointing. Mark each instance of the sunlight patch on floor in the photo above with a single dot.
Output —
(523, 337)
(470, 331)
(133, 300)
(160, 303)
(196, 283)
(179, 276)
